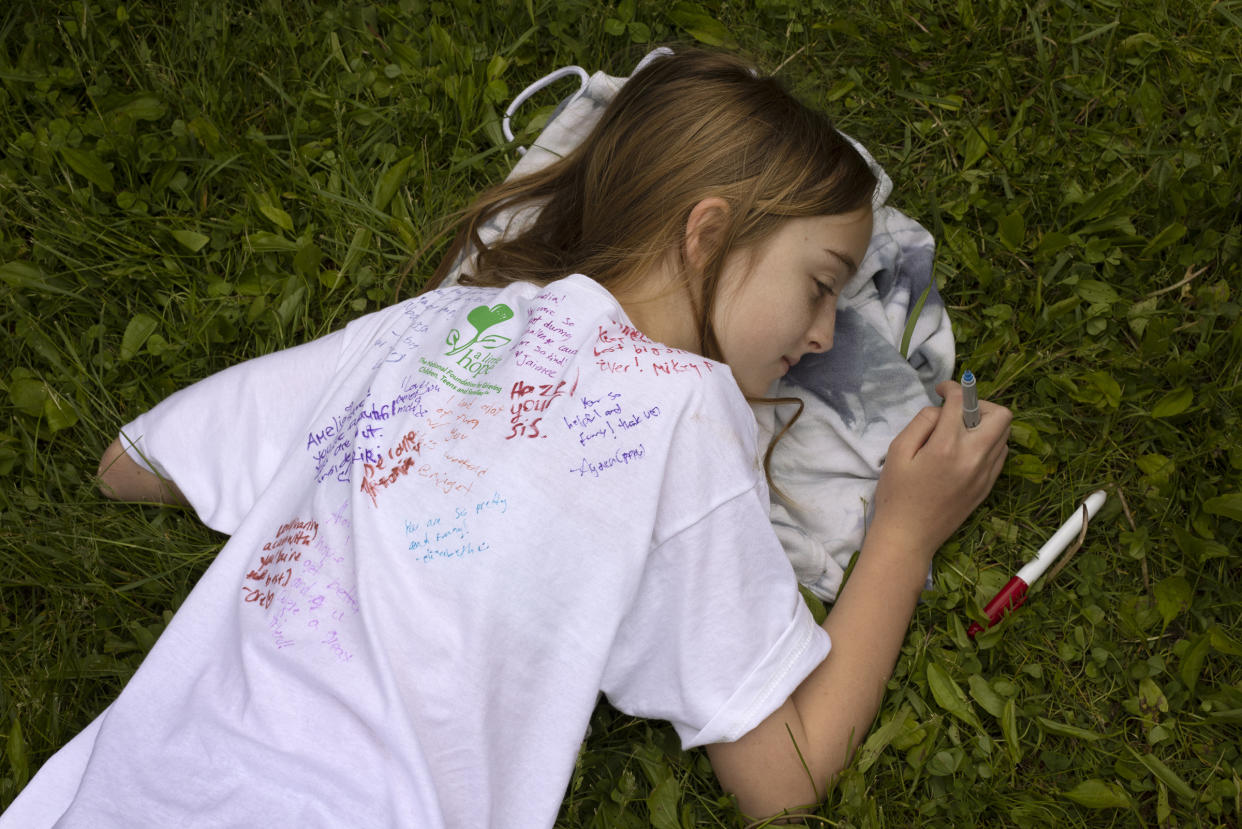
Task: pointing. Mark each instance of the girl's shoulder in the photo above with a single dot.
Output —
(569, 341)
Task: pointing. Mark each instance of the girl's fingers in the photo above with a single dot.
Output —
(912, 438)
(952, 408)
(993, 418)
(999, 463)
(945, 386)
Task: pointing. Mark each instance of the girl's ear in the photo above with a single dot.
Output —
(705, 230)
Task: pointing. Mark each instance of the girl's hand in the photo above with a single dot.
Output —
(937, 472)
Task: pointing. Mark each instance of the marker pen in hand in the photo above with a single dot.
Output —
(1013, 594)
(970, 401)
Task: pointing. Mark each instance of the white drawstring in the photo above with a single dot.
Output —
(546, 80)
(658, 52)
(564, 72)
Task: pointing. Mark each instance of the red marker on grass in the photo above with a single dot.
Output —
(1014, 593)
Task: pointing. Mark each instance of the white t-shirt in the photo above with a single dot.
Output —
(453, 524)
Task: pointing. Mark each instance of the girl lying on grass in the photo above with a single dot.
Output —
(458, 520)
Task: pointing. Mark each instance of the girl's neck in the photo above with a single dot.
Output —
(659, 305)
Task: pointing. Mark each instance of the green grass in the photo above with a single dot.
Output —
(186, 185)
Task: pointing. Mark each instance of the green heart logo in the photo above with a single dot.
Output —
(483, 318)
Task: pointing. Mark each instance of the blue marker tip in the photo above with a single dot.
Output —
(967, 377)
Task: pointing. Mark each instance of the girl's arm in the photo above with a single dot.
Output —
(122, 479)
(936, 473)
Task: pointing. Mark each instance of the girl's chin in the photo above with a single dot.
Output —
(763, 386)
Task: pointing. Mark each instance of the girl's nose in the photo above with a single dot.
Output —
(819, 337)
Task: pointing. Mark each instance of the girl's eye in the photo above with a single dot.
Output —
(822, 289)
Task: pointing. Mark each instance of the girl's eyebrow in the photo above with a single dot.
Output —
(850, 264)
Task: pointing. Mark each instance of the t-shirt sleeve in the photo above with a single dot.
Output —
(222, 439)
(734, 635)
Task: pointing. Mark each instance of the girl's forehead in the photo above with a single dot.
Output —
(841, 233)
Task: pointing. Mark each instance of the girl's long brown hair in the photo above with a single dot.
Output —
(687, 127)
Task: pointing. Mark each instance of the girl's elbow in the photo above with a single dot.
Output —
(774, 771)
(122, 479)
(110, 475)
